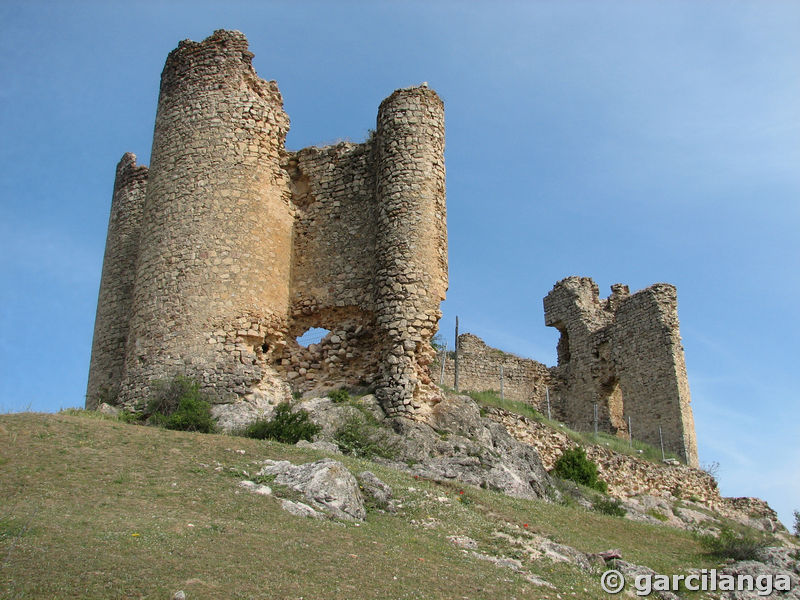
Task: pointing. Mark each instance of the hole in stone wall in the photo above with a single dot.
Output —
(313, 335)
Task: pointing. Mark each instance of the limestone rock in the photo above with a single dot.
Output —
(300, 509)
(326, 484)
(107, 409)
(329, 447)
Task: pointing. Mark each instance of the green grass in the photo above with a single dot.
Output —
(126, 511)
(612, 442)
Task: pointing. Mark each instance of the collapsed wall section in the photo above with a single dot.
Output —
(480, 367)
(624, 356)
(115, 299)
(212, 282)
(333, 272)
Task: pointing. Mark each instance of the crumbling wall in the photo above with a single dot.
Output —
(242, 245)
(524, 380)
(623, 354)
(333, 268)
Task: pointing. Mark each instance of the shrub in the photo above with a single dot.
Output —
(733, 544)
(575, 466)
(609, 506)
(285, 426)
(363, 439)
(180, 404)
(797, 523)
(339, 396)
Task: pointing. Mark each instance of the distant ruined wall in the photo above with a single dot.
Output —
(524, 380)
(242, 246)
(623, 353)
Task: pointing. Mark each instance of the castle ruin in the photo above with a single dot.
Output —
(229, 246)
(622, 354)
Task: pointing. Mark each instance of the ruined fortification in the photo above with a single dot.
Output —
(622, 354)
(229, 246)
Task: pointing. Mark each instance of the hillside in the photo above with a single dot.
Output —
(95, 508)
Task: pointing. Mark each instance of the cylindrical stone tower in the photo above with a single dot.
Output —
(116, 284)
(411, 242)
(212, 284)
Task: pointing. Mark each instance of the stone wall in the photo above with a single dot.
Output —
(624, 355)
(242, 246)
(524, 380)
(627, 476)
(115, 300)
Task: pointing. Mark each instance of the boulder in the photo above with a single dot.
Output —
(326, 484)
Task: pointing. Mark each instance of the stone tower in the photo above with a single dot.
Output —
(230, 246)
(623, 354)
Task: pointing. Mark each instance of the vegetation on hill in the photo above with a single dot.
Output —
(623, 446)
(129, 511)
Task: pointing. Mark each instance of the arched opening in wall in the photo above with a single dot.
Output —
(313, 335)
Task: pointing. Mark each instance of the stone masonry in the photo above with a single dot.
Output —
(622, 353)
(229, 246)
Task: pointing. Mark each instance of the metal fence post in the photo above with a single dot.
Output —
(661, 441)
(502, 394)
(455, 361)
(595, 419)
(547, 395)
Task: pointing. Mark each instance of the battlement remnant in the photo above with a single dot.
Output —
(229, 246)
(623, 353)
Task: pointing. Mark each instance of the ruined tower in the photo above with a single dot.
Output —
(230, 246)
(623, 354)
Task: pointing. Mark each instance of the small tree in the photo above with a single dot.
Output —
(180, 404)
(797, 523)
(285, 426)
(575, 466)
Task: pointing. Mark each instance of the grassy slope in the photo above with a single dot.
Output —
(94, 508)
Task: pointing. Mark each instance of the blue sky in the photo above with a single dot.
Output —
(632, 142)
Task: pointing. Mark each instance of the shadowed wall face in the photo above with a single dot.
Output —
(115, 300)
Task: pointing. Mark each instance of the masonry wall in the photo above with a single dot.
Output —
(242, 246)
(333, 273)
(212, 283)
(626, 475)
(623, 354)
(524, 380)
(115, 300)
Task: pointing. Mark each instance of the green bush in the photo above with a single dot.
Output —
(609, 506)
(285, 426)
(339, 396)
(733, 544)
(575, 466)
(797, 523)
(363, 439)
(180, 404)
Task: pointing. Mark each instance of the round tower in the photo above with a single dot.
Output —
(212, 283)
(411, 242)
(115, 299)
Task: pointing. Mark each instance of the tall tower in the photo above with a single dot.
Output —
(212, 282)
(115, 300)
(411, 278)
